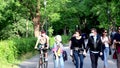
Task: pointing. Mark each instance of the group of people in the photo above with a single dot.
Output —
(98, 45)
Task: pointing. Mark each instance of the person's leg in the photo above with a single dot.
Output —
(55, 62)
(92, 57)
(46, 54)
(96, 59)
(61, 61)
(81, 60)
(106, 53)
(76, 58)
(118, 60)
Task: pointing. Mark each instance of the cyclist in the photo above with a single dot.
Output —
(43, 41)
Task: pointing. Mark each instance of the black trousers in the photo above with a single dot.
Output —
(94, 59)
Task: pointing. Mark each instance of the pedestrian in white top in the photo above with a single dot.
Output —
(105, 40)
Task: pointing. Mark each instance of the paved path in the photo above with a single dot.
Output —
(32, 63)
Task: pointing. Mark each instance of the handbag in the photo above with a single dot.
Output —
(64, 54)
(110, 52)
(115, 55)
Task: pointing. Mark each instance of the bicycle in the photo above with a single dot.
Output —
(42, 63)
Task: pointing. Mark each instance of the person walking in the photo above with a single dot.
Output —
(105, 42)
(95, 46)
(57, 52)
(78, 49)
(117, 43)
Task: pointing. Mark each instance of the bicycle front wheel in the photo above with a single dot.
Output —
(46, 64)
(40, 64)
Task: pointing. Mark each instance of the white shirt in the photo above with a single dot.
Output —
(105, 39)
(95, 38)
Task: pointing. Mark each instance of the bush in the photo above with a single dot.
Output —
(51, 42)
(10, 50)
(65, 39)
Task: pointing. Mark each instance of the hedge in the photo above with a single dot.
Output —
(10, 50)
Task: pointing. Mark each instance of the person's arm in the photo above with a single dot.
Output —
(84, 44)
(88, 44)
(47, 42)
(115, 39)
(70, 44)
(116, 42)
(54, 49)
(109, 41)
(84, 52)
(101, 45)
(37, 43)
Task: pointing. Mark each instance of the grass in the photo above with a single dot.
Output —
(28, 55)
(17, 62)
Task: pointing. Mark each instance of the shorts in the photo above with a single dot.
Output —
(44, 50)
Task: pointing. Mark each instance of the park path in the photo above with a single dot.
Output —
(32, 63)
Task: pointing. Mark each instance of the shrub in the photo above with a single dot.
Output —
(51, 42)
(65, 39)
(10, 50)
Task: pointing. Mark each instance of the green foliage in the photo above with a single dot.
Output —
(7, 51)
(52, 40)
(17, 30)
(60, 14)
(50, 31)
(11, 50)
(65, 39)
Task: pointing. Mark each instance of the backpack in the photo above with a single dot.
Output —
(65, 57)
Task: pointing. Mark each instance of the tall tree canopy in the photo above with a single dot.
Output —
(24, 18)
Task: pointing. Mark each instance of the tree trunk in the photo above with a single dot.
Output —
(65, 31)
(36, 20)
(26, 28)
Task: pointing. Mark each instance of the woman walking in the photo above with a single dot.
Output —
(78, 48)
(57, 52)
(105, 41)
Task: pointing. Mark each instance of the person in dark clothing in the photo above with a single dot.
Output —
(112, 35)
(95, 46)
(78, 48)
(117, 43)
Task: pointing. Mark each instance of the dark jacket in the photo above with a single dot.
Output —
(91, 46)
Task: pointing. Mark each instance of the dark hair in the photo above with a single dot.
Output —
(79, 31)
(103, 31)
(42, 31)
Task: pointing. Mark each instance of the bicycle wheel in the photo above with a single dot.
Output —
(40, 64)
(46, 64)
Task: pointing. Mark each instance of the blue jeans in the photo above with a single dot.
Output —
(78, 57)
(58, 61)
(106, 54)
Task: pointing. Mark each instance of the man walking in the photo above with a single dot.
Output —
(95, 47)
(117, 43)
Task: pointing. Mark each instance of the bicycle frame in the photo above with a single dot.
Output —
(42, 62)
